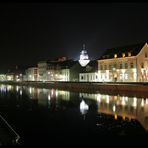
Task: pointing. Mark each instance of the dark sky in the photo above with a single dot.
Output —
(30, 32)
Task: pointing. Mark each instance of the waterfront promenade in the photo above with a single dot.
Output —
(132, 89)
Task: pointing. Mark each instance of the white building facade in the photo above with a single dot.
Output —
(124, 65)
(32, 74)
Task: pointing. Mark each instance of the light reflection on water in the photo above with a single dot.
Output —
(104, 105)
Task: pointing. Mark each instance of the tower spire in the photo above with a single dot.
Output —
(83, 46)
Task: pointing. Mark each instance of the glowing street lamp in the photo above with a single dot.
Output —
(84, 59)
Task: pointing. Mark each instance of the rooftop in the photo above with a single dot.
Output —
(133, 49)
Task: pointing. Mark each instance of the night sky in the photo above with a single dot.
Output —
(30, 32)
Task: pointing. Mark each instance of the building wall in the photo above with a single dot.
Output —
(88, 77)
(74, 72)
(42, 71)
(142, 64)
(65, 74)
(124, 69)
(32, 74)
(2, 77)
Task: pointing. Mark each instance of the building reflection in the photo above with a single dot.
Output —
(48, 97)
(124, 106)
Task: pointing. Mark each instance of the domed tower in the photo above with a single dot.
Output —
(84, 59)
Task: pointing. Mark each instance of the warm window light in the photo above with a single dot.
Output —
(123, 55)
(115, 55)
(129, 54)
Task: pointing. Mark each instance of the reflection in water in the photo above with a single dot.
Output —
(64, 106)
(83, 107)
(127, 107)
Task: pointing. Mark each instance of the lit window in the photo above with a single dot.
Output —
(121, 76)
(126, 76)
(115, 55)
(123, 55)
(129, 54)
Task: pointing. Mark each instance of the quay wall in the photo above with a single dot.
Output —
(130, 89)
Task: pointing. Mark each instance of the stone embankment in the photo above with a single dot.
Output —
(130, 89)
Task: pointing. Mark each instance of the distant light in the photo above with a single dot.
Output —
(115, 116)
(56, 93)
(114, 108)
(98, 97)
(21, 92)
(142, 103)
(30, 90)
(52, 92)
(49, 97)
(107, 99)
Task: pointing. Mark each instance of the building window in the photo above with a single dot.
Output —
(115, 65)
(142, 65)
(105, 67)
(129, 54)
(96, 77)
(121, 66)
(126, 65)
(123, 55)
(110, 67)
(145, 54)
(115, 55)
(121, 76)
(101, 67)
(126, 76)
(82, 78)
(132, 65)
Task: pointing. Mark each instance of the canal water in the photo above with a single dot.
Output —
(55, 117)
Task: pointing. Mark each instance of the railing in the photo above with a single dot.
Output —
(17, 136)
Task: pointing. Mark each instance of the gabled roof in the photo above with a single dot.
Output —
(133, 49)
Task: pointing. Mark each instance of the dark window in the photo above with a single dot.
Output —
(132, 65)
(142, 65)
(146, 55)
(126, 65)
(110, 67)
(105, 67)
(101, 67)
(120, 66)
(115, 65)
(82, 77)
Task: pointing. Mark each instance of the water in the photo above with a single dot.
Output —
(56, 117)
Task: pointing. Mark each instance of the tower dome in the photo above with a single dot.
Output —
(84, 59)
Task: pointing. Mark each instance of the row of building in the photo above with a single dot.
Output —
(122, 64)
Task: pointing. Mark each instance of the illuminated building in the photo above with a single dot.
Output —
(32, 74)
(2, 77)
(42, 71)
(124, 64)
(89, 73)
(59, 70)
(84, 59)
